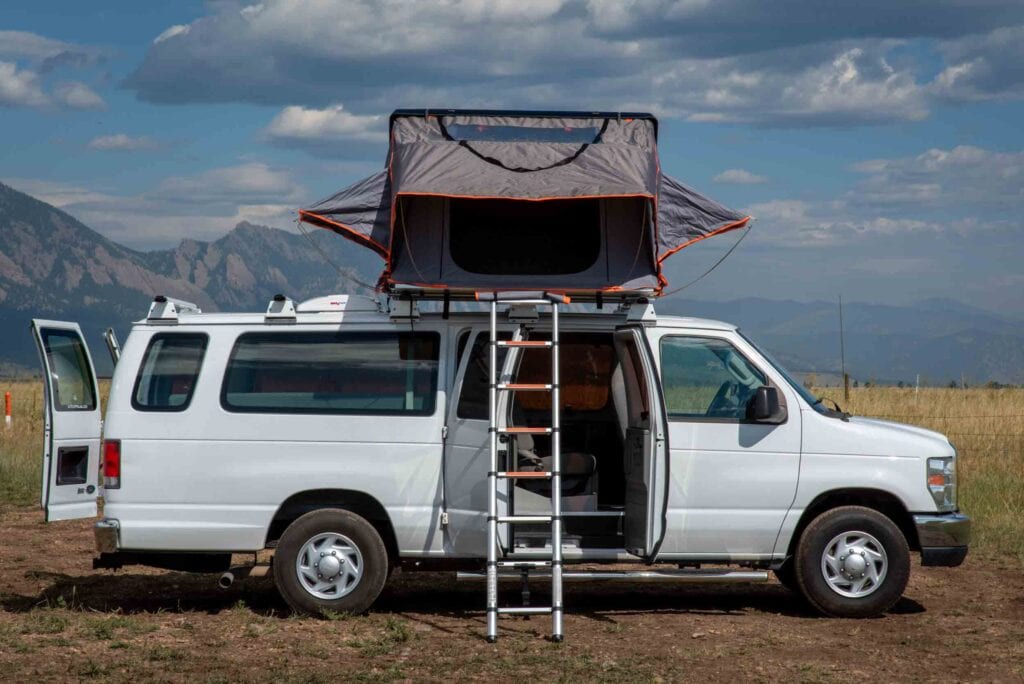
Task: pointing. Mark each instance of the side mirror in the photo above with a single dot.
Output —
(764, 406)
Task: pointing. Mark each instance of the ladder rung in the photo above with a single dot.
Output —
(524, 564)
(525, 386)
(525, 519)
(524, 610)
(524, 474)
(524, 343)
(525, 430)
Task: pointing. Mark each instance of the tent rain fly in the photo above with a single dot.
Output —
(560, 201)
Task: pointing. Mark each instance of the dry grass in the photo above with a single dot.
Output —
(987, 427)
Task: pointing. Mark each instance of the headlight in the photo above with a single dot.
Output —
(942, 482)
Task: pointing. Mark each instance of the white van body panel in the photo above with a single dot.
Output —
(208, 479)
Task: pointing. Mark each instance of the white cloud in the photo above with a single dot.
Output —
(798, 223)
(983, 67)
(122, 142)
(78, 96)
(729, 60)
(25, 61)
(175, 30)
(302, 124)
(739, 177)
(22, 44)
(252, 182)
(957, 176)
(20, 87)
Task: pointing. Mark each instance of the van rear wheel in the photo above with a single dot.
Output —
(330, 560)
(852, 562)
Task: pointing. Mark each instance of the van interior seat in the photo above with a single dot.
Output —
(579, 470)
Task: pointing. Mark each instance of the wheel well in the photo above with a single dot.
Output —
(881, 501)
(360, 503)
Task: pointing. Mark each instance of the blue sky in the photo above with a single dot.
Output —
(879, 144)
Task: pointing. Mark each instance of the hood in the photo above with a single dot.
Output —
(871, 437)
(902, 428)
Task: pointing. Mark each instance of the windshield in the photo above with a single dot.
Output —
(814, 402)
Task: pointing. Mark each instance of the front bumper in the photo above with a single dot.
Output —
(108, 535)
(944, 538)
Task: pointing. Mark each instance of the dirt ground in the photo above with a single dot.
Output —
(60, 620)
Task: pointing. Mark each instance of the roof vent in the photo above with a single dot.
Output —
(165, 310)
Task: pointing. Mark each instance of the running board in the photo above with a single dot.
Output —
(642, 576)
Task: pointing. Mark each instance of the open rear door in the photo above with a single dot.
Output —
(71, 422)
(646, 449)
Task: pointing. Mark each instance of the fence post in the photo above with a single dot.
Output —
(7, 410)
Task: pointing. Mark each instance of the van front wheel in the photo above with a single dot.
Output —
(852, 562)
(330, 560)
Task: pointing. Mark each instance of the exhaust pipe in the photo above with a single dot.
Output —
(241, 572)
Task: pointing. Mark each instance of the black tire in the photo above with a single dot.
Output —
(786, 574)
(361, 593)
(811, 577)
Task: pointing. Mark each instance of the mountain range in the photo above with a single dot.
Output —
(54, 266)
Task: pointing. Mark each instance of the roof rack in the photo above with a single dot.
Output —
(583, 296)
(165, 310)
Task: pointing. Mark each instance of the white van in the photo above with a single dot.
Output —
(353, 440)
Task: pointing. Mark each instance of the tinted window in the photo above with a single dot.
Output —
(169, 372)
(70, 372)
(513, 237)
(706, 378)
(328, 372)
(473, 397)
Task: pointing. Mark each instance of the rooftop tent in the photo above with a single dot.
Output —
(573, 202)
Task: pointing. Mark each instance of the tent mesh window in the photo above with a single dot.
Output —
(509, 237)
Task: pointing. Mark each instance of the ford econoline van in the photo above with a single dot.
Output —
(352, 440)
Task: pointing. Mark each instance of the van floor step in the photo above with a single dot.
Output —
(644, 576)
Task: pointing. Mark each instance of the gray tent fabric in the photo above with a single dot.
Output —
(567, 202)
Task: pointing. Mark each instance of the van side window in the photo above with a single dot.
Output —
(169, 371)
(706, 378)
(333, 373)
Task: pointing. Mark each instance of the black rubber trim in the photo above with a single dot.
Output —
(520, 169)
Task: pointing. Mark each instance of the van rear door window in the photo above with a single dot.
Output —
(333, 373)
(169, 371)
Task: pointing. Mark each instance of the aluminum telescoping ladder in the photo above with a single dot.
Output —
(495, 476)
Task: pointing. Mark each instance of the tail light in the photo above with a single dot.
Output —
(112, 464)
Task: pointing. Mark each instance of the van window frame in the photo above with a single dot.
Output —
(422, 413)
(678, 418)
(195, 381)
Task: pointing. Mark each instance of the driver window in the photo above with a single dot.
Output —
(705, 377)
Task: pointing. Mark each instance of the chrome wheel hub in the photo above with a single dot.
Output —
(329, 566)
(854, 564)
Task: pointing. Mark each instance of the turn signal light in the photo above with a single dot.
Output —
(112, 464)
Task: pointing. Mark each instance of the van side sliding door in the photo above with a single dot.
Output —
(71, 422)
(646, 449)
